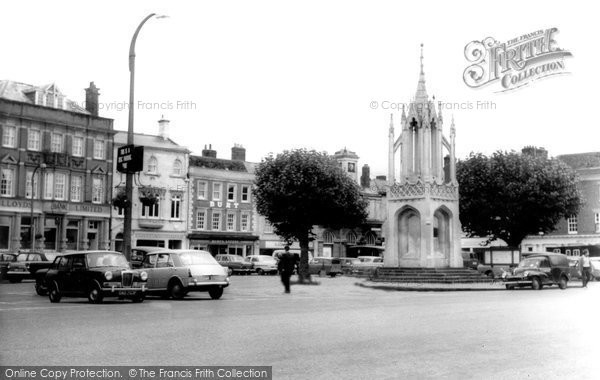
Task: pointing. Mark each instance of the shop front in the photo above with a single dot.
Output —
(220, 244)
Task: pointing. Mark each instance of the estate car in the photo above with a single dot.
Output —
(175, 272)
(235, 264)
(263, 263)
(95, 274)
(329, 266)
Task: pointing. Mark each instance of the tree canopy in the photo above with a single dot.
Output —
(511, 195)
(299, 189)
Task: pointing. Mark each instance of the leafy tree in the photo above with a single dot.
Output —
(300, 189)
(511, 195)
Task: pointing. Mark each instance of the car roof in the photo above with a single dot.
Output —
(86, 252)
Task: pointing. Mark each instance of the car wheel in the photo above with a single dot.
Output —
(510, 287)
(229, 272)
(490, 274)
(332, 275)
(260, 272)
(40, 289)
(562, 283)
(176, 290)
(54, 294)
(215, 293)
(536, 284)
(95, 294)
(138, 298)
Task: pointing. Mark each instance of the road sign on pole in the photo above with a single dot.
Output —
(130, 159)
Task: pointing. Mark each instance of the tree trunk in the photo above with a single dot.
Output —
(303, 275)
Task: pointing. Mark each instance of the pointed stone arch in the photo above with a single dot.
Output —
(409, 232)
(442, 232)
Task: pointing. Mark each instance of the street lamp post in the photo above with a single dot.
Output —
(31, 223)
(129, 176)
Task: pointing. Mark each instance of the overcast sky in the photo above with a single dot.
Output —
(275, 75)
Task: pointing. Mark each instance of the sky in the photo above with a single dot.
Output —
(323, 75)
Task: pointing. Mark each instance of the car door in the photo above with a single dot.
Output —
(164, 270)
(149, 266)
(78, 274)
(63, 277)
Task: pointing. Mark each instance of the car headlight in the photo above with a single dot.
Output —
(143, 276)
(108, 275)
(525, 274)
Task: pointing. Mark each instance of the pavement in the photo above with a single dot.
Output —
(432, 287)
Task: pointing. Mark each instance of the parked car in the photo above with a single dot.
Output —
(41, 287)
(175, 272)
(541, 269)
(5, 259)
(26, 264)
(329, 266)
(235, 264)
(95, 274)
(138, 254)
(348, 263)
(367, 264)
(263, 264)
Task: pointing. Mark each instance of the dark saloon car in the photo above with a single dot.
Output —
(26, 264)
(5, 259)
(329, 266)
(541, 269)
(235, 264)
(175, 272)
(95, 275)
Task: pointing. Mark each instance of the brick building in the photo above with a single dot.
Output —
(55, 161)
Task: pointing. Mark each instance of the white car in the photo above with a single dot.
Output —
(367, 264)
(263, 263)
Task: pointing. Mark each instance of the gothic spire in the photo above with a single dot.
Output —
(421, 95)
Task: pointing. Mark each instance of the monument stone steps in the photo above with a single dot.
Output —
(429, 275)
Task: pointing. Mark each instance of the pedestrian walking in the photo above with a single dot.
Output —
(585, 268)
(286, 268)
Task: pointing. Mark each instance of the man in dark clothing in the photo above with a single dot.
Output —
(285, 266)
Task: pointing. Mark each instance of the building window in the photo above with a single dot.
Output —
(572, 224)
(48, 185)
(177, 168)
(49, 99)
(216, 221)
(576, 252)
(59, 186)
(99, 149)
(76, 183)
(33, 139)
(78, 146)
(175, 206)
(7, 182)
(202, 185)
(351, 238)
(152, 165)
(151, 211)
(56, 143)
(597, 221)
(370, 238)
(97, 190)
(28, 185)
(327, 238)
(217, 191)
(201, 220)
(351, 167)
(230, 222)
(9, 136)
(231, 192)
(245, 222)
(245, 193)
(268, 227)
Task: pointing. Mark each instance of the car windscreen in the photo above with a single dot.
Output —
(533, 262)
(106, 259)
(197, 258)
(237, 259)
(22, 257)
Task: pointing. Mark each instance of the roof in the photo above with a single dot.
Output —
(17, 91)
(148, 140)
(581, 160)
(220, 163)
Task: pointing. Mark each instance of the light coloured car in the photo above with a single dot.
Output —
(175, 272)
(367, 264)
(263, 264)
(595, 261)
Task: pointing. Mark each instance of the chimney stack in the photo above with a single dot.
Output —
(163, 127)
(209, 152)
(238, 153)
(365, 178)
(91, 99)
